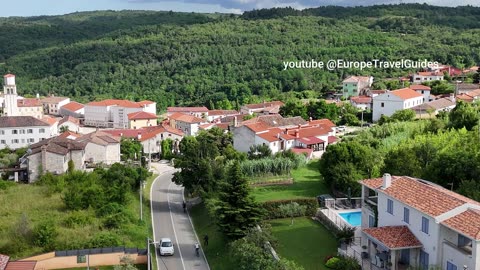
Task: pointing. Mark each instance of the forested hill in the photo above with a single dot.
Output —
(216, 60)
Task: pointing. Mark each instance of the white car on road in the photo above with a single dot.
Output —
(166, 247)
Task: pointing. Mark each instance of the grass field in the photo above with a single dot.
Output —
(217, 250)
(306, 242)
(307, 183)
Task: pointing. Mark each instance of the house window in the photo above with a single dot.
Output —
(423, 91)
(21, 131)
(371, 221)
(390, 206)
(31, 140)
(3, 142)
(464, 242)
(423, 260)
(425, 225)
(14, 131)
(382, 105)
(42, 130)
(451, 266)
(15, 141)
(406, 215)
(2, 132)
(29, 131)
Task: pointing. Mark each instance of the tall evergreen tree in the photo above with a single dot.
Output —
(237, 210)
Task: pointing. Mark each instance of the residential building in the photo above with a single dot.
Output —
(272, 107)
(392, 101)
(70, 123)
(219, 114)
(413, 222)
(52, 104)
(22, 131)
(101, 147)
(14, 105)
(463, 88)
(422, 89)
(200, 112)
(141, 119)
(73, 109)
(114, 112)
(29, 107)
(52, 155)
(354, 85)
(188, 124)
(363, 103)
(433, 107)
(469, 97)
(427, 76)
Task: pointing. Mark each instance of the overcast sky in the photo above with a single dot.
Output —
(55, 7)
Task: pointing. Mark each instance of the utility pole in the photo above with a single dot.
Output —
(141, 206)
(148, 253)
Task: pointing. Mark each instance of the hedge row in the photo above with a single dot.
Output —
(271, 207)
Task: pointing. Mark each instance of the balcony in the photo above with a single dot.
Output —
(465, 250)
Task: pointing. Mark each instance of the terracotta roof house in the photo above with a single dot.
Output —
(52, 104)
(262, 108)
(356, 85)
(73, 109)
(392, 101)
(21, 131)
(427, 76)
(419, 224)
(141, 119)
(199, 112)
(188, 124)
(433, 107)
(70, 123)
(114, 112)
(361, 102)
(101, 147)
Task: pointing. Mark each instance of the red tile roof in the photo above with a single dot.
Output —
(187, 109)
(49, 120)
(222, 112)
(186, 118)
(145, 102)
(272, 135)
(394, 237)
(314, 131)
(265, 104)
(422, 195)
(8, 75)
(429, 73)
(332, 139)
(419, 87)
(406, 93)
(21, 121)
(69, 119)
(67, 134)
(146, 133)
(119, 102)
(29, 102)
(354, 79)
(257, 127)
(73, 106)
(21, 265)
(141, 115)
(323, 122)
(361, 99)
(53, 99)
(3, 261)
(466, 223)
(311, 140)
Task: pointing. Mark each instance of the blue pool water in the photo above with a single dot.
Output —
(353, 218)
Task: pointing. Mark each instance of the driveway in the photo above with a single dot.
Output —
(170, 221)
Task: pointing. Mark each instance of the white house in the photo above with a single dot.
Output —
(427, 76)
(413, 222)
(392, 101)
(270, 107)
(361, 102)
(22, 131)
(52, 155)
(101, 147)
(422, 89)
(73, 109)
(52, 104)
(70, 123)
(114, 112)
(200, 112)
(188, 124)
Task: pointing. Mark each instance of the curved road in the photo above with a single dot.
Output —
(170, 221)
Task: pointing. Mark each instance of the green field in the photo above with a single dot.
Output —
(307, 183)
(217, 250)
(306, 242)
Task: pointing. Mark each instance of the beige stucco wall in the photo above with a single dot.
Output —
(34, 162)
(49, 261)
(95, 152)
(136, 124)
(56, 163)
(113, 153)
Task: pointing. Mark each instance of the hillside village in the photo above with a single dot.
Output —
(57, 131)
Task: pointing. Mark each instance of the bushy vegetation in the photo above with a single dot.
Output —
(204, 60)
(272, 208)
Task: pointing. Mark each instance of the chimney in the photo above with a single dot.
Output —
(38, 96)
(278, 135)
(310, 119)
(297, 135)
(139, 136)
(387, 180)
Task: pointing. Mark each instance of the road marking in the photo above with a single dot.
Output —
(151, 214)
(195, 232)
(173, 225)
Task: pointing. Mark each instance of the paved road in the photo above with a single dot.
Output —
(170, 221)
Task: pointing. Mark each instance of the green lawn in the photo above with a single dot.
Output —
(306, 242)
(307, 183)
(217, 250)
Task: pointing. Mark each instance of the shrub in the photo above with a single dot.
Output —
(44, 235)
(6, 184)
(104, 239)
(273, 212)
(347, 263)
(77, 218)
(332, 263)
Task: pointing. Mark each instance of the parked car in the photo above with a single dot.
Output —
(166, 247)
(341, 128)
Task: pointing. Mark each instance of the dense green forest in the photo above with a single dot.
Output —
(225, 60)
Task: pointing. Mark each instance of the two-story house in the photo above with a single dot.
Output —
(354, 85)
(427, 76)
(413, 222)
(21, 131)
(392, 101)
(200, 112)
(422, 89)
(52, 104)
(188, 124)
(73, 109)
(266, 107)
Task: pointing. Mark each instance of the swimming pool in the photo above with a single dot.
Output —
(353, 218)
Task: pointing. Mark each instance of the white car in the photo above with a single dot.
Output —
(166, 247)
(341, 128)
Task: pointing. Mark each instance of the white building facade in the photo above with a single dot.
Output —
(390, 102)
(22, 131)
(114, 113)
